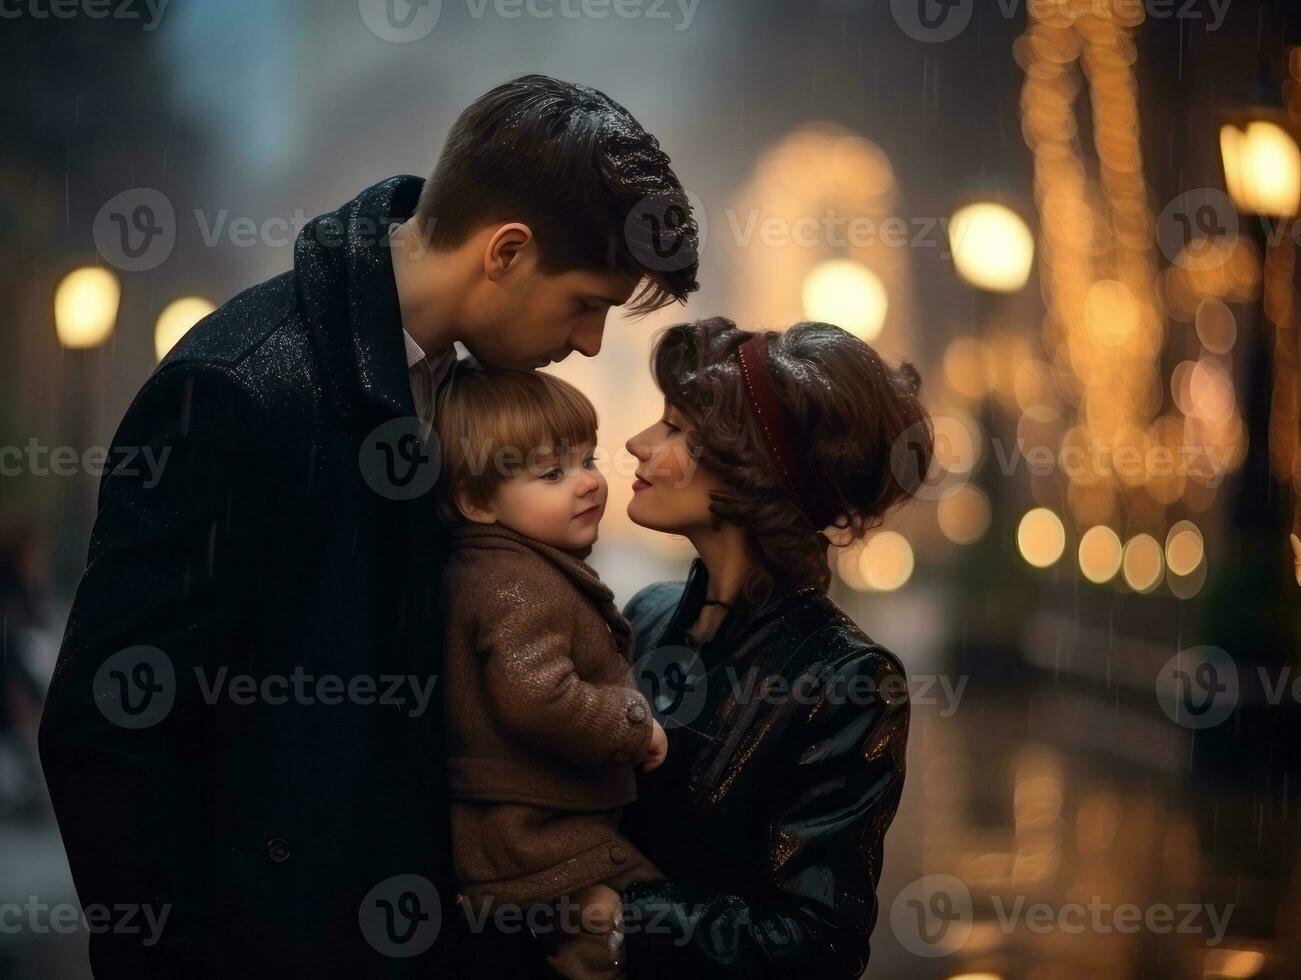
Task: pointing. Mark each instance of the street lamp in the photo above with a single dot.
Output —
(85, 307)
(849, 294)
(1262, 167)
(1262, 171)
(993, 248)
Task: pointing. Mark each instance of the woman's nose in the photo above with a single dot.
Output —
(634, 446)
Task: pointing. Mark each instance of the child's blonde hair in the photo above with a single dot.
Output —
(492, 424)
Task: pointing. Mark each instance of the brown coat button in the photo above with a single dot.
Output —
(278, 849)
(636, 711)
(618, 854)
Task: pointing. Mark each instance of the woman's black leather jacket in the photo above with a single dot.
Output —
(786, 734)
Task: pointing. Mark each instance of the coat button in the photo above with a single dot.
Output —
(636, 712)
(618, 854)
(278, 849)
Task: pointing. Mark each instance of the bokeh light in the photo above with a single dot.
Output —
(848, 294)
(992, 247)
(1100, 554)
(1041, 537)
(886, 561)
(176, 320)
(85, 307)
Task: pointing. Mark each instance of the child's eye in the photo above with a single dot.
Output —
(552, 473)
(589, 462)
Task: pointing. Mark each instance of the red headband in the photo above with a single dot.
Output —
(774, 425)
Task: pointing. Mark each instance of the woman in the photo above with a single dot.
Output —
(787, 724)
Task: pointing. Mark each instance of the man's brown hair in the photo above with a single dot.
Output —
(575, 166)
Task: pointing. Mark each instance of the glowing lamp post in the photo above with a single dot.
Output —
(85, 307)
(1262, 171)
(1262, 168)
(993, 249)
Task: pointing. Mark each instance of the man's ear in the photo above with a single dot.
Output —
(505, 248)
(470, 510)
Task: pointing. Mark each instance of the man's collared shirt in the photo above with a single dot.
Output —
(426, 373)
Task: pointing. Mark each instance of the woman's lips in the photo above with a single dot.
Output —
(639, 484)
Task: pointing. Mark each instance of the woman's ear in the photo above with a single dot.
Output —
(472, 511)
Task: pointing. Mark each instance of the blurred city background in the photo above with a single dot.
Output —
(1076, 217)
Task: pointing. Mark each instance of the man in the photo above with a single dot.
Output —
(243, 735)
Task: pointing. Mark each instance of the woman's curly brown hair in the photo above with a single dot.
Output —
(859, 431)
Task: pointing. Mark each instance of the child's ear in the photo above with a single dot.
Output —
(472, 511)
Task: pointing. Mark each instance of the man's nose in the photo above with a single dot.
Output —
(587, 340)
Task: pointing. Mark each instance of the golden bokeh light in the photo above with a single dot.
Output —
(176, 320)
(1041, 537)
(1262, 167)
(963, 513)
(1142, 563)
(1100, 554)
(1217, 327)
(886, 561)
(964, 367)
(1233, 964)
(85, 307)
(992, 246)
(1184, 548)
(848, 294)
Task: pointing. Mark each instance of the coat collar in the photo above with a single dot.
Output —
(343, 266)
(570, 562)
(739, 626)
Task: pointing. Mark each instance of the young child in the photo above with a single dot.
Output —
(544, 726)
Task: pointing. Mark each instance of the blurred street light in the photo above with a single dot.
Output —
(176, 320)
(993, 248)
(1262, 167)
(85, 307)
(848, 294)
(1262, 171)
(1041, 537)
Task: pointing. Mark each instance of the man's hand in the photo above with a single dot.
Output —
(659, 748)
